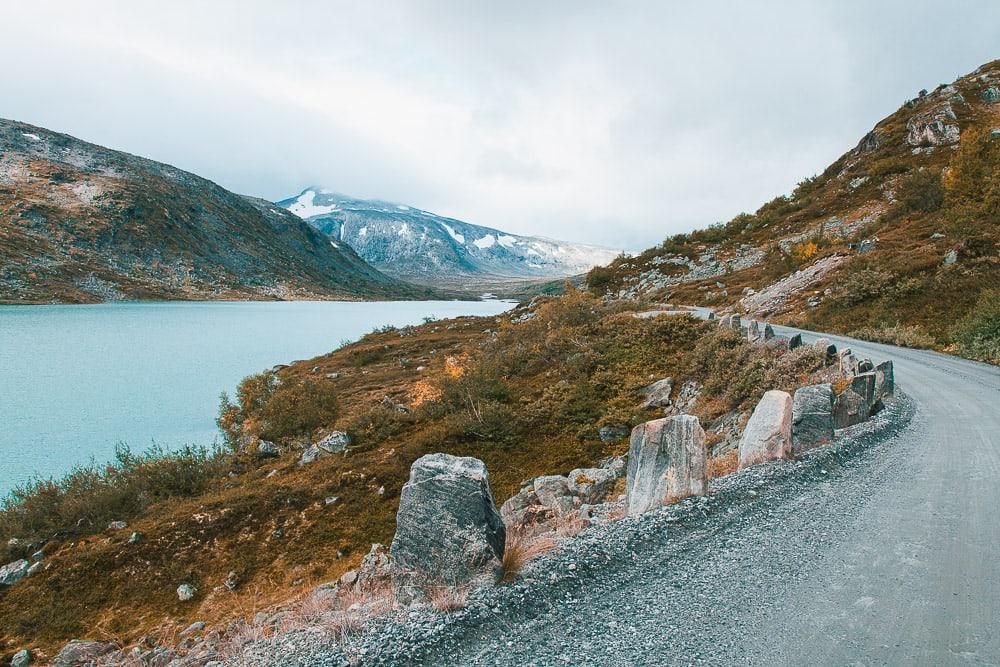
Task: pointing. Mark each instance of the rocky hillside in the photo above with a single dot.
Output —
(895, 241)
(429, 249)
(319, 453)
(82, 223)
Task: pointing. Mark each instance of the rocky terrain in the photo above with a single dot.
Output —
(896, 241)
(429, 249)
(80, 223)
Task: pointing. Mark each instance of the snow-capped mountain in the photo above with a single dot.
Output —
(426, 248)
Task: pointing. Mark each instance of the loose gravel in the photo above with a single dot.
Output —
(688, 584)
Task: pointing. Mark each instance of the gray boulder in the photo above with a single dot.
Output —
(667, 461)
(767, 332)
(267, 450)
(80, 652)
(795, 341)
(335, 443)
(448, 529)
(657, 394)
(590, 485)
(753, 331)
(21, 659)
(768, 433)
(855, 404)
(848, 365)
(885, 381)
(11, 573)
(310, 455)
(553, 491)
(117, 525)
(186, 592)
(812, 417)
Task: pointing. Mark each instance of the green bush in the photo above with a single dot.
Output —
(599, 279)
(91, 496)
(978, 333)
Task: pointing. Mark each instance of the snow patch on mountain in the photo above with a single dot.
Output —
(423, 247)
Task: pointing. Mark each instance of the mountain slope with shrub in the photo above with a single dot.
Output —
(83, 223)
(252, 526)
(896, 241)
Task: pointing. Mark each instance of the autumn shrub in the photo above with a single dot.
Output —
(859, 285)
(377, 424)
(897, 334)
(272, 410)
(90, 496)
(977, 335)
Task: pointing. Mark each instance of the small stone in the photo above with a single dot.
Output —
(277, 534)
(197, 626)
(82, 652)
(336, 442)
(37, 556)
(186, 592)
(267, 450)
(21, 659)
(135, 537)
(332, 500)
(117, 525)
(232, 581)
(34, 569)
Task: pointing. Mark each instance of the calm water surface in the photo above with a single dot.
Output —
(76, 380)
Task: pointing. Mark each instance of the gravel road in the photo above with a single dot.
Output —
(882, 549)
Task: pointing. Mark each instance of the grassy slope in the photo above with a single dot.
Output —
(918, 205)
(541, 388)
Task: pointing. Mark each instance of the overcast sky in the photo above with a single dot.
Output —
(605, 122)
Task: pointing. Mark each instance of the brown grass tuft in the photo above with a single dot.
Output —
(727, 464)
(521, 549)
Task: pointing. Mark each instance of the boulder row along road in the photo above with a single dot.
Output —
(883, 549)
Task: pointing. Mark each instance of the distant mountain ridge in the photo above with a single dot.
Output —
(84, 223)
(426, 248)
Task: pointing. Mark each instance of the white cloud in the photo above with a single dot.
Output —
(613, 123)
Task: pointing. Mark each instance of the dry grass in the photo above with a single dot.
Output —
(727, 464)
(448, 599)
(520, 549)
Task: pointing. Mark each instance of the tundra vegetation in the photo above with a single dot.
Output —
(249, 527)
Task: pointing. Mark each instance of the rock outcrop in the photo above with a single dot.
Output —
(812, 417)
(856, 403)
(543, 499)
(667, 462)
(448, 530)
(82, 652)
(768, 434)
(657, 394)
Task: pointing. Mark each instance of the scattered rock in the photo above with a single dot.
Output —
(951, 257)
(310, 455)
(37, 556)
(331, 500)
(991, 95)
(848, 365)
(812, 417)
(34, 569)
(335, 443)
(197, 626)
(11, 573)
(795, 341)
(753, 330)
(232, 581)
(657, 394)
(186, 592)
(117, 525)
(854, 405)
(135, 537)
(767, 332)
(267, 449)
(82, 652)
(21, 659)
(667, 462)
(448, 529)
(933, 128)
(768, 434)
(613, 433)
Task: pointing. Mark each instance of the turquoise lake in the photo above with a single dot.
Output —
(76, 380)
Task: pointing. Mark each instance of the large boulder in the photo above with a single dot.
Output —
(657, 394)
(81, 652)
(448, 530)
(885, 380)
(667, 461)
(812, 417)
(11, 573)
(856, 402)
(768, 434)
